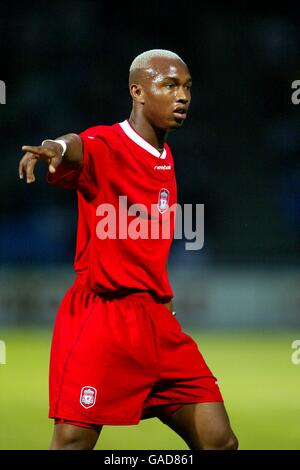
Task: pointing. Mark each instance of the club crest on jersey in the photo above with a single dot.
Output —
(88, 396)
(163, 200)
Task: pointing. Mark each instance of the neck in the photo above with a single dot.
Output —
(155, 137)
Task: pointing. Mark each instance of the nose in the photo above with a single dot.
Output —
(183, 95)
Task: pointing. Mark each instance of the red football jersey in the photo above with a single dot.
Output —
(127, 199)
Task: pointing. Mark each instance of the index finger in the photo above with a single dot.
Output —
(38, 150)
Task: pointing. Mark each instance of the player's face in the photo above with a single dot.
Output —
(167, 93)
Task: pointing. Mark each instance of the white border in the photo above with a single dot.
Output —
(130, 132)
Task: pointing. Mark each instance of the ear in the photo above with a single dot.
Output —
(137, 93)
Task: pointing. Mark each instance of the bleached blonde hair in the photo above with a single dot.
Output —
(142, 61)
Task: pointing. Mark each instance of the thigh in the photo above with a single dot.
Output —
(203, 426)
(71, 437)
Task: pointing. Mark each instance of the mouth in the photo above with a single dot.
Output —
(180, 113)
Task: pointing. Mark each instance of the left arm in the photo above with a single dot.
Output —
(169, 305)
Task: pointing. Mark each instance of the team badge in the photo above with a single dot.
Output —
(88, 396)
(163, 200)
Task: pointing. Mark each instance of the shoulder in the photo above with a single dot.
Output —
(169, 152)
(101, 141)
(168, 148)
(106, 133)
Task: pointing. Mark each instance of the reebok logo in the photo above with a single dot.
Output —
(162, 167)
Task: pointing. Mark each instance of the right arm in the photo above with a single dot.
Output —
(52, 152)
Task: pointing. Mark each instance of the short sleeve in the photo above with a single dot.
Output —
(89, 177)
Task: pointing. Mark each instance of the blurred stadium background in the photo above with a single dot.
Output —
(65, 67)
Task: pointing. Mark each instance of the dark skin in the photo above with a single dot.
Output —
(161, 97)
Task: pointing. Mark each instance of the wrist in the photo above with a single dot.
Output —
(61, 142)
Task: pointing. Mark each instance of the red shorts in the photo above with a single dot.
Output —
(117, 361)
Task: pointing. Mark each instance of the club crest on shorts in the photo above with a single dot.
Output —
(163, 200)
(88, 396)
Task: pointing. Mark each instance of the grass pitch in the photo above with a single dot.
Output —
(259, 383)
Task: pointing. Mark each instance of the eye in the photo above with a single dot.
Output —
(170, 85)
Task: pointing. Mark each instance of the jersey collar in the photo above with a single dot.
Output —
(138, 139)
